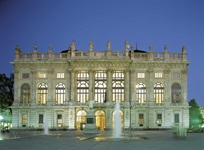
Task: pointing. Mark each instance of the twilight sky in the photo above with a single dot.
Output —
(58, 22)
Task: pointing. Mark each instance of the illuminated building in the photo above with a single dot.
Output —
(150, 86)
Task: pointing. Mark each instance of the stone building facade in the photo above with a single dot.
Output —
(57, 88)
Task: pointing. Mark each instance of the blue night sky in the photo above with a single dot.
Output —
(58, 22)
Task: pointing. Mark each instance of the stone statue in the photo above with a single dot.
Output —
(18, 50)
(91, 102)
(150, 48)
(50, 47)
(108, 44)
(132, 47)
(165, 48)
(184, 49)
(35, 48)
(91, 45)
(127, 46)
(73, 45)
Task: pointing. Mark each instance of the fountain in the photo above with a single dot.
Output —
(117, 122)
(46, 130)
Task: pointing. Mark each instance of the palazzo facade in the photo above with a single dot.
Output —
(56, 88)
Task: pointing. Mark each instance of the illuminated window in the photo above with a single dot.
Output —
(40, 118)
(60, 75)
(158, 93)
(158, 75)
(41, 75)
(176, 75)
(176, 93)
(24, 118)
(42, 93)
(118, 86)
(60, 93)
(100, 87)
(141, 119)
(25, 75)
(82, 87)
(59, 120)
(159, 119)
(140, 75)
(25, 94)
(141, 93)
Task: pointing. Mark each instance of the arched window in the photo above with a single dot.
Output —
(118, 86)
(25, 94)
(176, 93)
(60, 93)
(42, 93)
(100, 87)
(158, 93)
(141, 93)
(82, 87)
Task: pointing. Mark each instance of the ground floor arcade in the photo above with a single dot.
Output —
(74, 117)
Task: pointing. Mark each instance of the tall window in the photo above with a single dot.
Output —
(159, 119)
(158, 93)
(141, 93)
(24, 118)
(42, 93)
(40, 118)
(25, 94)
(100, 87)
(59, 120)
(176, 93)
(141, 119)
(118, 86)
(176, 118)
(82, 87)
(60, 93)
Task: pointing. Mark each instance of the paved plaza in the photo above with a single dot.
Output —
(76, 140)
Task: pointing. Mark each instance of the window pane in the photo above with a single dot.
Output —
(158, 93)
(82, 87)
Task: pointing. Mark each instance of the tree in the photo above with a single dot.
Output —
(195, 114)
(6, 90)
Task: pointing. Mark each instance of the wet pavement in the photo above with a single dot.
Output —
(76, 140)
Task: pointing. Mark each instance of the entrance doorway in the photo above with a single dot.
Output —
(80, 120)
(100, 119)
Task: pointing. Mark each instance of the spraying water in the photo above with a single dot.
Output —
(117, 122)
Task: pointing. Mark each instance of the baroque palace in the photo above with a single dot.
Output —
(57, 88)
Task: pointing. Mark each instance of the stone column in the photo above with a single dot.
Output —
(68, 86)
(91, 85)
(127, 87)
(17, 88)
(109, 86)
(167, 88)
(184, 87)
(132, 87)
(72, 86)
(33, 88)
(51, 88)
(150, 86)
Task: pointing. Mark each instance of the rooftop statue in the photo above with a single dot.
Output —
(108, 44)
(127, 46)
(73, 45)
(91, 45)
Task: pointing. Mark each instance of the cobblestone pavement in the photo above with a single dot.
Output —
(75, 140)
